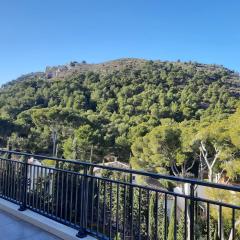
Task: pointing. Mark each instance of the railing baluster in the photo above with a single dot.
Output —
(192, 218)
(62, 195)
(66, 198)
(81, 219)
(92, 203)
(82, 231)
(98, 203)
(131, 204)
(29, 177)
(110, 217)
(33, 187)
(220, 222)
(165, 215)
(10, 180)
(86, 199)
(1, 177)
(139, 212)
(156, 215)
(71, 200)
(233, 224)
(76, 199)
(208, 222)
(57, 193)
(41, 188)
(7, 172)
(14, 182)
(175, 218)
(37, 189)
(4, 178)
(117, 212)
(53, 198)
(45, 192)
(7, 180)
(124, 211)
(24, 182)
(148, 213)
(104, 206)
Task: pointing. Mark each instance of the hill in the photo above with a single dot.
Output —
(109, 105)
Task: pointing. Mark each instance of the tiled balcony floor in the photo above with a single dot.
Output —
(12, 228)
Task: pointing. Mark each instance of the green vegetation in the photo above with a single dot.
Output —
(118, 102)
(170, 117)
(177, 148)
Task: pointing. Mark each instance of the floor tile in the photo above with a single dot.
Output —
(12, 228)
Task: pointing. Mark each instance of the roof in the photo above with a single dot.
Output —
(115, 164)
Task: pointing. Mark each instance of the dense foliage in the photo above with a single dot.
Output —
(118, 102)
(178, 147)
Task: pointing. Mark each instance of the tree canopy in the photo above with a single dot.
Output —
(120, 100)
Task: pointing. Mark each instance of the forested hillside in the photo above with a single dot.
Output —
(98, 109)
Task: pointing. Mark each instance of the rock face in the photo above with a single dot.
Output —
(75, 67)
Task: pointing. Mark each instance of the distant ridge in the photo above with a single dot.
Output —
(74, 67)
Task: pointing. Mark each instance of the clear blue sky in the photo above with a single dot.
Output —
(36, 33)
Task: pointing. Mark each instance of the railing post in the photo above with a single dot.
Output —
(7, 171)
(24, 185)
(82, 233)
(192, 211)
(9, 154)
(131, 205)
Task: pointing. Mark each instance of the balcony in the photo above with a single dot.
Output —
(117, 203)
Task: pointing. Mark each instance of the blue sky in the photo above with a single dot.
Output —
(34, 34)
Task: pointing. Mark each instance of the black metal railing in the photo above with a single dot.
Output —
(114, 203)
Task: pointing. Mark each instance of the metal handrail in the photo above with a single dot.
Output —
(132, 171)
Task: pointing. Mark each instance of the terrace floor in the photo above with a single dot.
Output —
(12, 228)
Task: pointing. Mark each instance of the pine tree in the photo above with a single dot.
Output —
(213, 230)
(180, 232)
(161, 219)
(171, 225)
(152, 217)
(156, 210)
